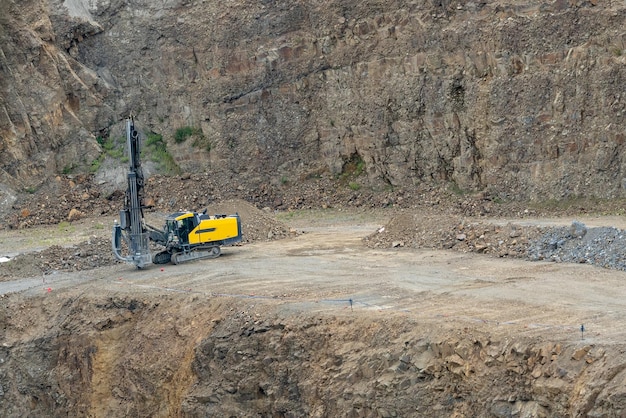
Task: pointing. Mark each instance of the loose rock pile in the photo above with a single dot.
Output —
(69, 198)
(605, 247)
(95, 252)
(444, 232)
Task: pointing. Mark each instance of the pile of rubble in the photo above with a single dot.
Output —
(600, 246)
(605, 246)
(63, 199)
(72, 197)
(445, 232)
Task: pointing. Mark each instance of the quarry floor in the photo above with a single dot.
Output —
(327, 268)
(327, 271)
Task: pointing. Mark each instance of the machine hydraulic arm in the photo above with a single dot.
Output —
(132, 228)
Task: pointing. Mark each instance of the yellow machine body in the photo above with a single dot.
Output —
(200, 229)
(211, 229)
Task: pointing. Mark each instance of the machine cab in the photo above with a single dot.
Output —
(179, 225)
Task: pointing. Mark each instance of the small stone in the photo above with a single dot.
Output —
(580, 353)
(578, 229)
(537, 372)
(455, 360)
(74, 215)
(383, 413)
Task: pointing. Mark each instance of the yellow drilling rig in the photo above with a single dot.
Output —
(186, 236)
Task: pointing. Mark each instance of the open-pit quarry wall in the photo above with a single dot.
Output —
(522, 99)
(188, 355)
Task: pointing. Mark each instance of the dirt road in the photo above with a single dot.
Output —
(327, 268)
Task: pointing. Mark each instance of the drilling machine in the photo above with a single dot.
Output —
(186, 236)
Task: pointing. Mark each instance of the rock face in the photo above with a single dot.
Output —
(49, 101)
(524, 100)
(192, 356)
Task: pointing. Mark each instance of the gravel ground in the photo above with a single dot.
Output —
(599, 246)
